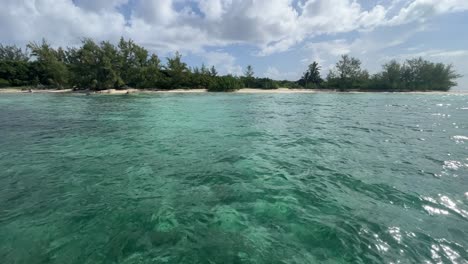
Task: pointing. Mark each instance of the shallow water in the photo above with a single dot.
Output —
(232, 178)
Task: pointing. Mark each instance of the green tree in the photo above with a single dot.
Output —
(206, 77)
(311, 78)
(266, 83)
(15, 68)
(15, 73)
(12, 53)
(95, 66)
(249, 76)
(48, 67)
(443, 77)
(391, 75)
(105, 65)
(213, 71)
(204, 70)
(225, 84)
(133, 60)
(108, 74)
(200, 77)
(422, 75)
(177, 71)
(348, 67)
(415, 75)
(348, 74)
(84, 64)
(151, 73)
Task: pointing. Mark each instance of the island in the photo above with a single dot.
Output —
(128, 67)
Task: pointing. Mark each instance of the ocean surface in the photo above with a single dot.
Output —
(234, 178)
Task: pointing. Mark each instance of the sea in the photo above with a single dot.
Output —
(234, 178)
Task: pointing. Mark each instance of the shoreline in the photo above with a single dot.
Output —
(241, 91)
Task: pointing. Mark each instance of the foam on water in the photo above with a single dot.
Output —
(460, 138)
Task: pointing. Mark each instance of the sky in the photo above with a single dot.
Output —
(279, 38)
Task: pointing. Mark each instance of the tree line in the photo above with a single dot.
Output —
(99, 66)
(413, 75)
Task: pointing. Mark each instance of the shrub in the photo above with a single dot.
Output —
(225, 84)
(4, 83)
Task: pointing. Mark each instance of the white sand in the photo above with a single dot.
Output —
(16, 90)
(277, 91)
(241, 91)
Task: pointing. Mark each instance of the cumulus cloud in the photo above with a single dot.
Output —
(372, 49)
(98, 5)
(60, 21)
(156, 12)
(333, 16)
(324, 17)
(421, 10)
(212, 9)
(275, 74)
(224, 62)
(166, 25)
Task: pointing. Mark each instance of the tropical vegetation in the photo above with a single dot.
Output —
(99, 66)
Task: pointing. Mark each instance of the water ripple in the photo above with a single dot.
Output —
(229, 178)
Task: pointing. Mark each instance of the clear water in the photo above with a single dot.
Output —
(231, 178)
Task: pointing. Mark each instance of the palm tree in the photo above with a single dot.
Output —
(311, 76)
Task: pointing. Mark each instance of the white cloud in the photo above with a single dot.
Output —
(452, 53)
(434, 53)
(326, 17)
(159, 12)
(272, 73)
(421, 10)
(335, 47)
(326, 53)
(212, 9)
(333, 16)
(60, 21)
(224, 62)
(98, 5)
(273, 26)
(370, 47)
(275, 74)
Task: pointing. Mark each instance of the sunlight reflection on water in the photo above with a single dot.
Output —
(229, 178)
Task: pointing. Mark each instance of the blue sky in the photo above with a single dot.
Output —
(279, 38)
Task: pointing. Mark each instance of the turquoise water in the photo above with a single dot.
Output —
(232, 178)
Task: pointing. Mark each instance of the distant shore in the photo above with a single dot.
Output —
(241, 91)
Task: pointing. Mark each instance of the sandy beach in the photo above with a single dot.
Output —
(18, 90)
(241, 91)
